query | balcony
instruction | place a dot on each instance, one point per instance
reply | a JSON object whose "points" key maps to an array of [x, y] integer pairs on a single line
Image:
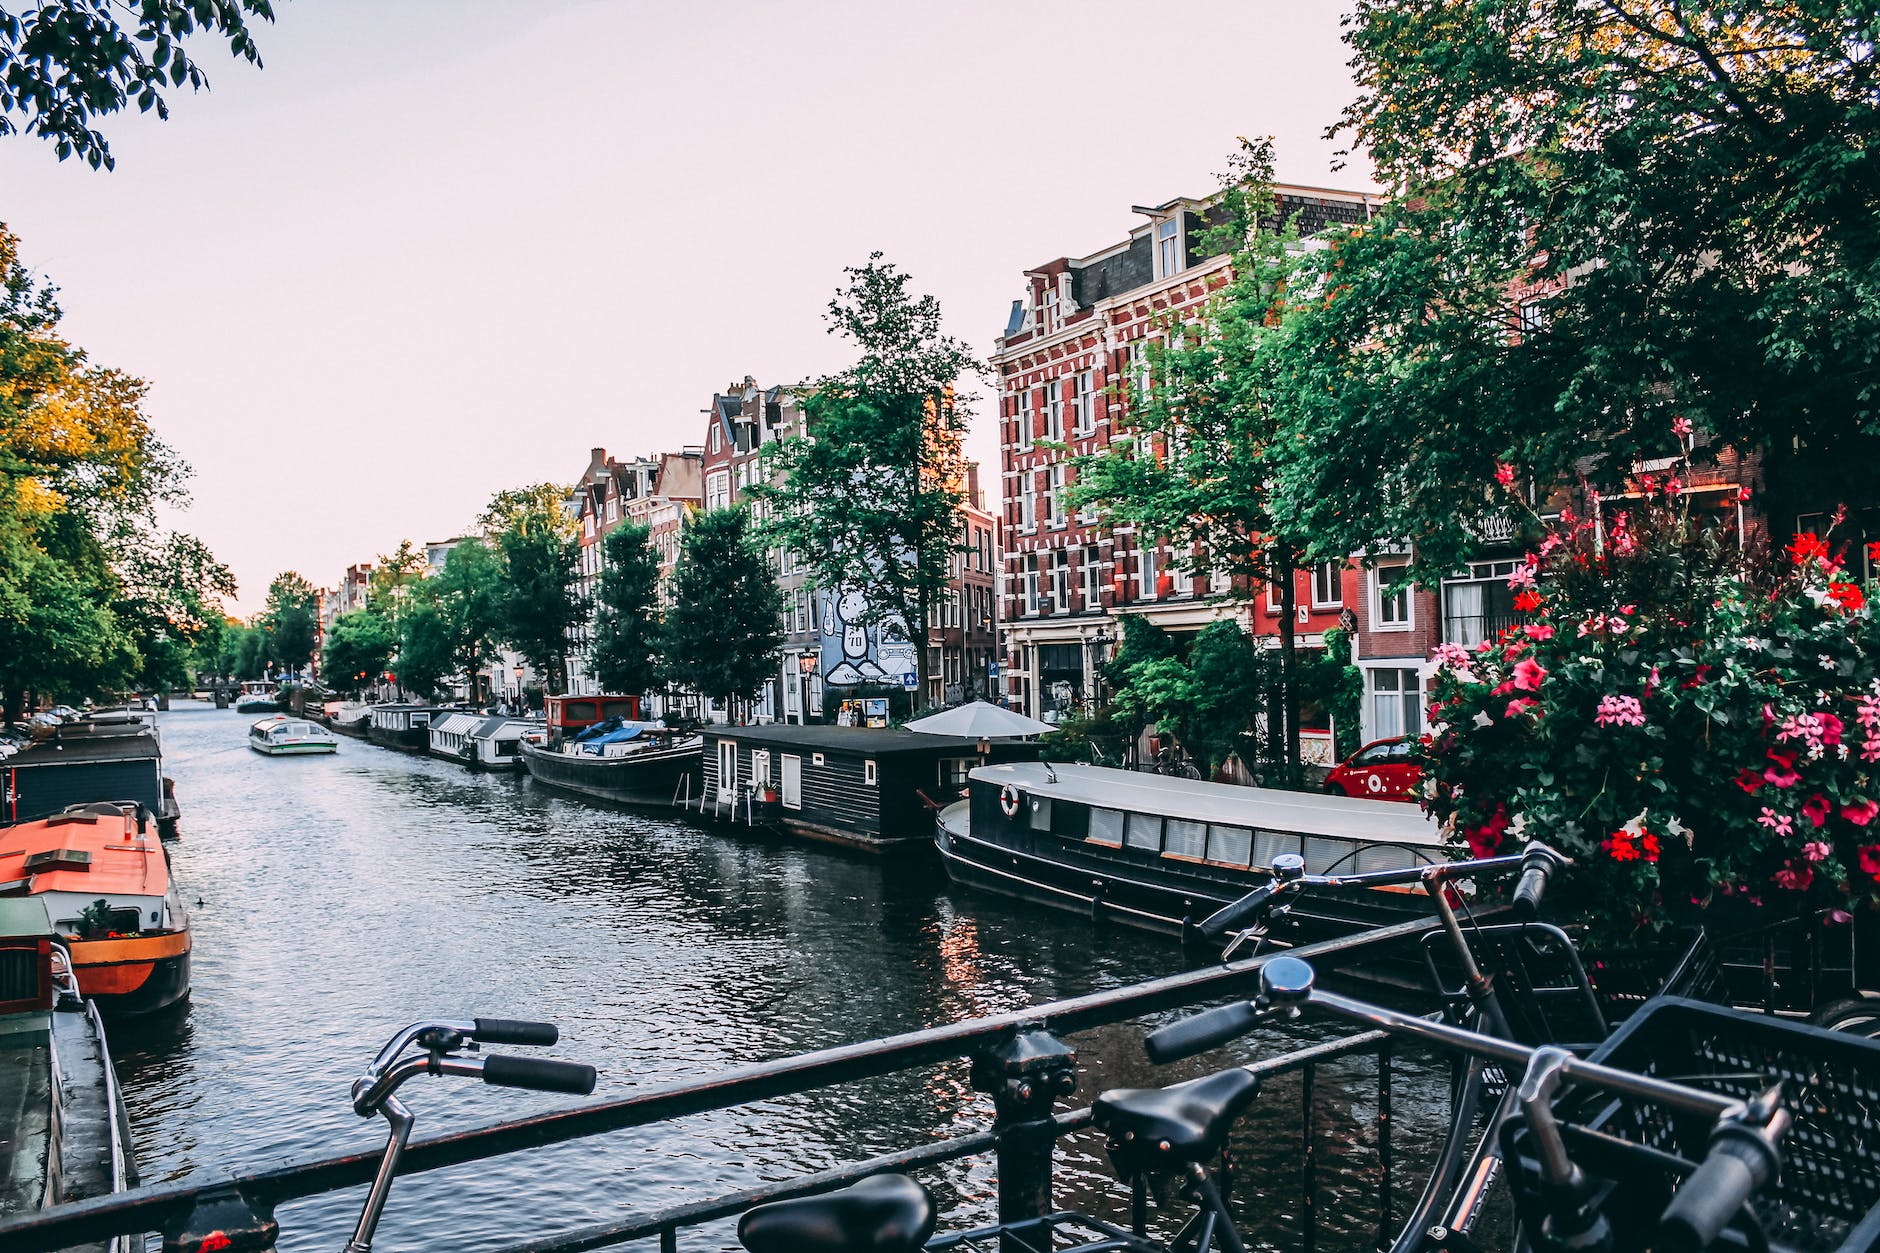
{"points": [[1470, 629]]}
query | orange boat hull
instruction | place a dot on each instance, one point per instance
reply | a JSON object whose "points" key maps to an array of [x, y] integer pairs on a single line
{"points": [[134, 975]]}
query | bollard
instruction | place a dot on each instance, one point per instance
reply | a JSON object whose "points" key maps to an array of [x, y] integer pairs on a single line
{"points": [[1025, 1074], [223, 1221]]}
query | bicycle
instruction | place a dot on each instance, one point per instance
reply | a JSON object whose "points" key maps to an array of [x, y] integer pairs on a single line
{"points": [[439, 1044]]}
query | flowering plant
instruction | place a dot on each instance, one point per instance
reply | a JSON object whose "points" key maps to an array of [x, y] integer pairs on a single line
{"points": [[1690, 718]]}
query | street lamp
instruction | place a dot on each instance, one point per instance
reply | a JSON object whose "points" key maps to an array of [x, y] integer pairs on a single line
{"points": [[519, 708], [1097, 643]]}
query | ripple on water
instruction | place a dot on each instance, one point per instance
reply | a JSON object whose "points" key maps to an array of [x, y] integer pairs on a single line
{"points": [[347, 895]]}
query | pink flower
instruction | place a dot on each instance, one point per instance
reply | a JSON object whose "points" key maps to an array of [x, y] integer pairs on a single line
{"points": [[1619, 711], [1794, 878], [1518, 707], [1779, 823], [1674, 487], [1538, 631], [1680, 425], [1451, 656], [1504, 474], [1815, 850], [1781, 771], [1528, 675], [1860, 813]]}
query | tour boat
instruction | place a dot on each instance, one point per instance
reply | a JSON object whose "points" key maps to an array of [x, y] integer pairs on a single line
{"points": [[1162, 853], [257, 698], [62, 1124], [106, 884], [281, 736]]}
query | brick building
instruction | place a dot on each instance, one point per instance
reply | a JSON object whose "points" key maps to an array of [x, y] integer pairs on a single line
{"points": [[1073, 342]]}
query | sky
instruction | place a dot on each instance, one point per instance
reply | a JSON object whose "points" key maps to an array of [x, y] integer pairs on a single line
{"points": [[436, 248]]}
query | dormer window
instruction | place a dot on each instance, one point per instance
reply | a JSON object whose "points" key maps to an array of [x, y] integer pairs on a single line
{"points": [[1168, 247], [1050, 307]]}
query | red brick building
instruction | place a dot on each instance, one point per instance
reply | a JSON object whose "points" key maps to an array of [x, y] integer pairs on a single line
{"points": [[1073, 342]]}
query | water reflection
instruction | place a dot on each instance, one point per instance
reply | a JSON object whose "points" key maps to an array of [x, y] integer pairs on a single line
{"points": [[344, 896]]}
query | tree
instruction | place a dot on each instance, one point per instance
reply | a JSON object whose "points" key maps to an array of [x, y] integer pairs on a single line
{"points": [[169, 600], [426, 652], [292, 620], [1230, 678], [1198, 465], [541, 599], [626, 626], [872, 493], [723, 630], [357, 650], [64, 63], [1607, 219], [393, 575], [469, 594]]}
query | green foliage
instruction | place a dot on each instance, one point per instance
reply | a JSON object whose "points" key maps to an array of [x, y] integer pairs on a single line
{"points": [[1690, 722], [394, 575], [65, 63], [626, 625], [291, 620], [722, 630], [540, 599], [1331, 687], [426, 655], [527, 510], [169, 601], [357, 650], [872, 493], [1684, 197], [469, 593], [1228, 678]]}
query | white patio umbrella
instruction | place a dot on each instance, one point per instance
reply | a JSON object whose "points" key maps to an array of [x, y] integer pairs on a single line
{"points": [[979, 720]]}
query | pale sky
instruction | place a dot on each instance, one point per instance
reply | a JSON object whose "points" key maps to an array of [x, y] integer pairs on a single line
{"points": [[436, 248]]}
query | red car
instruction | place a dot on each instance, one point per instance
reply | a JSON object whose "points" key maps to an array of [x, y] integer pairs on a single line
{"points": [[1382, 770]]}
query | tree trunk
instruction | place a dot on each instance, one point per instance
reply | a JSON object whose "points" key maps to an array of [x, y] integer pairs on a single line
{"points": [[1283, 570], [15, 699], [920, 658]]}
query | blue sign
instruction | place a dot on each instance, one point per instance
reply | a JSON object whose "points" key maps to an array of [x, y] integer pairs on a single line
{"points": [[909, 681], [992, 669]]}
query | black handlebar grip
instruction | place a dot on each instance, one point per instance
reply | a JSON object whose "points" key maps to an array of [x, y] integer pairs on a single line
{"points": [[514, 1031], [1536, 869], [542, 1074], [1230, 916], [1740, 1162], [1201, 1032]]}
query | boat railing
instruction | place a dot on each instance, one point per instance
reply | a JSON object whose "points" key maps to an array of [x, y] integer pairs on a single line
{"points": [[1020, 1058]]}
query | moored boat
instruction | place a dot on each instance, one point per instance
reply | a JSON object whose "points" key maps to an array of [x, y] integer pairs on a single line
{"points": [[89, 760], [257, 697], [282, 736], [62, 1123], [1161, 853], [648, 765], [402, 725], [105, 880]]}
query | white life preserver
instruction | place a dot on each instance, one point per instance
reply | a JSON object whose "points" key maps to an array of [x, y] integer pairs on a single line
{"points": [[1008, 800]]}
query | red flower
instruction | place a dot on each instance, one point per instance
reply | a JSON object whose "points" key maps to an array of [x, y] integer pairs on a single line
{"points": [[1649, 843], [1749, 780], [1816, 809], [1619, 846], [1807, 547], [1860, 813], [1870, 860], [1849, 597], [1697, 677], [1485, 840], [1529, 674], [1527, 600], [1873, 552]]}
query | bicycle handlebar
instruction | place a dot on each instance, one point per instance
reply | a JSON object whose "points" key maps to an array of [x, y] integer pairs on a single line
{"points": [[515, 1031], [1229, 917], [1538, 864], [541, 1074], [1742, 1158], [1201, 1032]]}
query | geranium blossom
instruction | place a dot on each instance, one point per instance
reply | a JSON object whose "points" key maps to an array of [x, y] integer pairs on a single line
{"points": [[1781, 770], [1527, 600], [1815, 850], [1529, 675], [1504, 474], [1848, 596], [1539, 631], [1680, 425], [1794, 878], [1619, 711], [1451, 656], [1807, 547], [1779, 823], [1816, 809]]}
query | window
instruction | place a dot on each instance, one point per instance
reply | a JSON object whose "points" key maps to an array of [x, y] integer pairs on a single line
{"points": [[760, 767], [1054, 495], [1106, 827], [1325, 584], [727, 765], [792, 766], [1392, 607], [718, 487], [1233, 845], [1168, 247], [1533, 317], [1027, 504], [1186, 838], [1021, 410], [1145, 573], [717, 437], [1144, 831], [953, 772], [1396, 702], [1048, 307], [1092, 573], [1083, 411], [1061, 580], [1031, 582], [1184, 581], [1054, 410], [870, 775]]}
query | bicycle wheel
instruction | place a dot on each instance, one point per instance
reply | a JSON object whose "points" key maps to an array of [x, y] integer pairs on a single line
{"points": [[1856, 1015]]}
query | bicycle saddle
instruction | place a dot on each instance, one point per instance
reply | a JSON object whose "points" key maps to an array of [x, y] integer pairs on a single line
{"points": [[881, 1214], [1156, 1128]]}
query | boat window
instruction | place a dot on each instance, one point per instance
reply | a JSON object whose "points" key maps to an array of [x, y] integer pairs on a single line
{"points": [[1106, 827], [1385, 857], [1144, 831], [1322, 853], [760, 767], [1270, 844], [1186, 838], [1233, 845], [953, 771], [870, 776], [1041, 813], [579, 711], [617, 709], [1070, 819]]}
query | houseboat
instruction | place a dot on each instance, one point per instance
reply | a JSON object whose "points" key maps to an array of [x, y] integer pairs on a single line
{"points": [[105, 880], [257, 697], [496, 742], [637, 763], [110, 760], [450, 736], [1162, 853], [402, 726], [282, 736], [347, 717], [62, 1125], [868, 788]]}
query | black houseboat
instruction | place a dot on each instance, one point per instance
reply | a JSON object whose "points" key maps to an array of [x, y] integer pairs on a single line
{"points": [[873, 789], [595, 745], [103, 759], [1159, 852], [402, 726]]}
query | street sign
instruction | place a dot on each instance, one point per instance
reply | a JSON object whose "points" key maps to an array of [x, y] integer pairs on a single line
{"points": [[992, 669], [909, 681]]}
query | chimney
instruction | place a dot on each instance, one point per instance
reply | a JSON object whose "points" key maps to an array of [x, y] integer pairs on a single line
{"points": [[972, 486]]}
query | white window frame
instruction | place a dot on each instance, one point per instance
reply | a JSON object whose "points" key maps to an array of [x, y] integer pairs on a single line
{"points": [[1334, 570], [1168, 247], [760, 767], [1382, 576], [871, 773], [1054, 494], [1023, 399], [791, 797], [1083, 408], [1054, 411], [1145, 573], [1093, 579], [1027, 505], [1408, 716]]}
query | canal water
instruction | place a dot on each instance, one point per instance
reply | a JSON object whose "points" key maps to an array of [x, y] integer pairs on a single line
{"points": [[342, 897]]}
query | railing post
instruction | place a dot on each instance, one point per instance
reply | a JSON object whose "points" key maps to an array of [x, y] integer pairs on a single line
{"points": [[1025, 1074], [224, 1221]]}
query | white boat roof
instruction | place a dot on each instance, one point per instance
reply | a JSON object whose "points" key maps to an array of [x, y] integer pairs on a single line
{"points": [[505, 728], [1309, 813], [456, 724]]}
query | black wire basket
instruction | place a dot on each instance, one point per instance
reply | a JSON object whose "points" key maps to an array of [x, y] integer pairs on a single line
{"points": [[1827, 1198]]}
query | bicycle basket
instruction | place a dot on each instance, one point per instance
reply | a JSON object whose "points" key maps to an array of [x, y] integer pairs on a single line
{"points": [[1626, 979], [1827, 1199]]}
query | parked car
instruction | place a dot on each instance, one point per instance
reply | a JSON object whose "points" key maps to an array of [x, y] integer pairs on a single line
{"points": [[1381, 770]]}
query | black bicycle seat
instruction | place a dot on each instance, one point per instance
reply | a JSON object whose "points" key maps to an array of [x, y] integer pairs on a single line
{"points": [[1155, 1128], [881, 1214]]}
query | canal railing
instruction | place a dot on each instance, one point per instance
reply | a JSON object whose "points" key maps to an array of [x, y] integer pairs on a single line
{"points": [[1018, 1058]]}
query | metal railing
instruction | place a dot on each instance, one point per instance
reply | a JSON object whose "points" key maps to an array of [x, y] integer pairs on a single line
{"points": [[1017, 1058]]}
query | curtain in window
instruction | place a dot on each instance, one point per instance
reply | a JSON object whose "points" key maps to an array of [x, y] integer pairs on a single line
{"points": [[1463, 608]]}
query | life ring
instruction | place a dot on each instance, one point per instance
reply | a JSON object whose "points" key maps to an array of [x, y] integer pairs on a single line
{"points": [[1008, 800]]}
